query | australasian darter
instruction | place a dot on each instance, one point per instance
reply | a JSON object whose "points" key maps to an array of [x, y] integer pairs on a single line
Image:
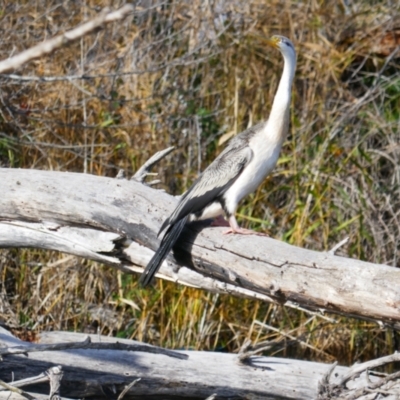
{"points": [[236, 172]]}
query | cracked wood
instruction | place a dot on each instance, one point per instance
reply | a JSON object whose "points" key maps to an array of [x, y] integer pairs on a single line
{"points": [[116, 221]]}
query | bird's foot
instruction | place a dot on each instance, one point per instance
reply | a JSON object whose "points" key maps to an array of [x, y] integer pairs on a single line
{"points": [[219, 221], [244, 231]]}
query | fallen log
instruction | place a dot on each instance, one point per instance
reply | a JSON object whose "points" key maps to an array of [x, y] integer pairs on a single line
{"points": [[98, 373], [81, 366], [115, 221]]}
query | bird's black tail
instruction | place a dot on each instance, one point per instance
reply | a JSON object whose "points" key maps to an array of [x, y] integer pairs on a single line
{"points": [[168, 241]]}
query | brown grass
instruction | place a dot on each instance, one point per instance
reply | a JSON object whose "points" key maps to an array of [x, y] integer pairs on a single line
{"points": [[184, 74]]}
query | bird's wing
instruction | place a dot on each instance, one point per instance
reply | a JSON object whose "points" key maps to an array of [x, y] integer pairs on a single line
{"points": [[213, 182]]}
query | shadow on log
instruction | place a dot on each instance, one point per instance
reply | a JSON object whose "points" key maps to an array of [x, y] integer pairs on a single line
{"points": [[115, 221], [103, 367]]}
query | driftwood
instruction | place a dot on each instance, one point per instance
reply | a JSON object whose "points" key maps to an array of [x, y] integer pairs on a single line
{"points": [[115, 221], [79, 371]]}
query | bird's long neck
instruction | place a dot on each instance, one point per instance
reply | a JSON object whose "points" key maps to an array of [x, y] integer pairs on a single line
{"points": [[278, 122]]}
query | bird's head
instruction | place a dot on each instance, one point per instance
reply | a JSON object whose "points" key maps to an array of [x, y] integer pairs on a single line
{"points": [[281, 43]]}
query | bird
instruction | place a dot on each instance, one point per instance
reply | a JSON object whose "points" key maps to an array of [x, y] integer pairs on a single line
{"points": [[236, 172]]}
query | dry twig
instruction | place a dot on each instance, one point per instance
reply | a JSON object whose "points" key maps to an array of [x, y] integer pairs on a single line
{"points": [[145, 169], [125, 391], [43, 377], [357, 369], [329, 391], [13, 389], [248, 349], [374, 386], [50, 45], [338, 246]]}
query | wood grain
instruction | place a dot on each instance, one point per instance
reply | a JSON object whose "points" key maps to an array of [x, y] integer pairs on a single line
{"points": [[116, 221]]}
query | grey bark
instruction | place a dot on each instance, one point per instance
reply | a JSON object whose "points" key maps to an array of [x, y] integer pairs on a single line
{"points": [[116, 221], [102, 373], [115, 373]]}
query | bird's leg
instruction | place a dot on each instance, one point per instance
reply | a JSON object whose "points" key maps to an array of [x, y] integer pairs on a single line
{"points": [[235, 228], [219, 221]]}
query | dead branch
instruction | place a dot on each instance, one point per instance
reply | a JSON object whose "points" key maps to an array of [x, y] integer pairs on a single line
{"points": [[43, 377], [357, 369], [13, 389], [87, 344], [50, 45], [51, 79], [249, 349], [324, 387], [145, 169], [137, 375], [127, 388], [357, 394], [338, 246], [55, 375], [116, 221], [360, 381], [91, 373], [203, 374]]}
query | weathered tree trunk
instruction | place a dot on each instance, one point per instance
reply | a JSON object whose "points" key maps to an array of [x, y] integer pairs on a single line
{"points": [[115, 221], [105, 373], [104, 368]]}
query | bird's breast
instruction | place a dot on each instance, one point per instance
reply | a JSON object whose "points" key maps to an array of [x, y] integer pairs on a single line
{"points": [[265, 156]]}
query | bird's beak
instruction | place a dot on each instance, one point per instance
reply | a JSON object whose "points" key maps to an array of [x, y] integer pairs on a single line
{"points": [[273, 41]]}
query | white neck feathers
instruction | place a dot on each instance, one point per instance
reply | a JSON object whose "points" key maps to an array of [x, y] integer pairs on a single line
{"points": [[278, 122]]}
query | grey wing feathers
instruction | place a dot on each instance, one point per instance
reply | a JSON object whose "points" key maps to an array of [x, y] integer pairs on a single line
{"points": [[212, 183], [217, 177], [243, 139], [221, 172]]}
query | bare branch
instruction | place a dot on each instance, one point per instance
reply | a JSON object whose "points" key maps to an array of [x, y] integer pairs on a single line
{"points": [[324, 386], [87, 344], [67, 78], [145, 169], [125, 391], [333, 250], [357, 369], [50, 45], [358, 388], [44, 347], [359, 392], [43, 377], [16, 390], [52, 375], [248, 349], [55, 375], [121, 174]]}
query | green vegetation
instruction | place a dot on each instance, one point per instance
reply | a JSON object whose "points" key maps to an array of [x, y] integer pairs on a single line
{"points": [[190, 75]]}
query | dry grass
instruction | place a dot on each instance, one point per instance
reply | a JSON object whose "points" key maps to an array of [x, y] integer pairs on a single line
{"points": [[185, 74]]}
